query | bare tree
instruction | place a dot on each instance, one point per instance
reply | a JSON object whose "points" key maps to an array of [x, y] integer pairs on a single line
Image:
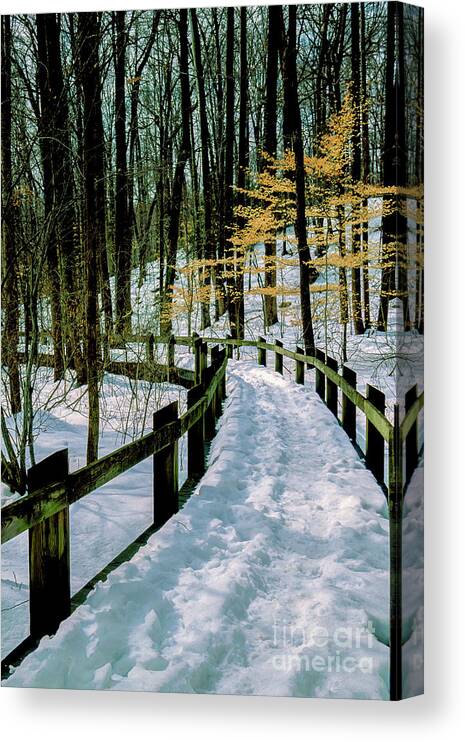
{"points": [[291, 104], [270, 146], [178, 180], [10, 336]]}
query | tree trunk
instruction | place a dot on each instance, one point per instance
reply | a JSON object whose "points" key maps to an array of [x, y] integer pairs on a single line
{"points": [[94, 218], [10, 336], [291, 103], [270, 144], [236, 306], [343, 292], [178, 180], [122, 225], [229, 158], [419, 290], [356, 166], [320, 82], [365, 169], [208, 251], [136, 78], [220, 291], [47, 127], [65, 217], [394, 223]]}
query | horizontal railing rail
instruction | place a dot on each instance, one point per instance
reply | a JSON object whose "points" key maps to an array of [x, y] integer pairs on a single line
{"points": [[371, 412]]}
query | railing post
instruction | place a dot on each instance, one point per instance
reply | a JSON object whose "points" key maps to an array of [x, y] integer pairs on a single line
{"points": [[49, 558], [197, 347], [319, 375], [261, 353], [149, 348], [229, 347], [195, 436], [165, 470], [349, 410], [210, 420], [299, 368], [170, 356], [203, 358], [278, 358], [411, 439], [374, 452], [331, 387], [395, 557], [215, 349], [216, 399], [222, 386]]}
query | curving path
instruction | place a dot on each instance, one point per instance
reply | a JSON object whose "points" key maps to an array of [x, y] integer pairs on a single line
{"points": [[273, 579]]}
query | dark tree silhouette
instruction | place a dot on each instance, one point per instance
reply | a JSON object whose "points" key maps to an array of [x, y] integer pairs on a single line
{"points": [[291, 105], [270, 146]]}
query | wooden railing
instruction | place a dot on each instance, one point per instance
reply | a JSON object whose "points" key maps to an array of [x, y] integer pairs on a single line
{"points": [[400, 438], [44, 511], [206, 387]]}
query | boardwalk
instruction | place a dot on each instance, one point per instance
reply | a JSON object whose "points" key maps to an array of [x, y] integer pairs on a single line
{"points": [[266, 582]]}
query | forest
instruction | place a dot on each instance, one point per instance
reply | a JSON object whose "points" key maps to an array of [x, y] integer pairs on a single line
{"points": [[186, 195], [254, 170]]}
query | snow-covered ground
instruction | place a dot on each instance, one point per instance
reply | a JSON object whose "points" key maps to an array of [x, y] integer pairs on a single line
{"points": [[413, 584], [105, 522], [273, 579]]}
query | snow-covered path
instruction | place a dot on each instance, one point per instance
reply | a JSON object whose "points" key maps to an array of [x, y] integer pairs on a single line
{"points": [[269, 581]]}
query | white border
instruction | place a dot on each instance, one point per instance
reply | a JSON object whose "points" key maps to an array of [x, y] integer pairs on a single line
{"points": [[56, 715]]}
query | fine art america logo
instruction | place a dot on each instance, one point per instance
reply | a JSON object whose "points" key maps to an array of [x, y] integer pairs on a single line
{"points": [[343, 649]]}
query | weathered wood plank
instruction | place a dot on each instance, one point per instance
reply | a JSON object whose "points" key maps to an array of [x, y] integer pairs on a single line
{"points": [[411, 416], [199, 408], [33, 508], [49, 559], [261, 348], [203, 359], [411, 438], [95, 475], [210, 420], [195, 436], [395, 500], [349, 409], [215, 362], [299, 368], [331, 387], [222, 373], [155, 373], [197, 347], [374, 454], [165, 469], [278, 358], [320, 382]]}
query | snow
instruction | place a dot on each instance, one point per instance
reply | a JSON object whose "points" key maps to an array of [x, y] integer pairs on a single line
{"points": [[273, 578], [105, 522], [413, 584]]}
